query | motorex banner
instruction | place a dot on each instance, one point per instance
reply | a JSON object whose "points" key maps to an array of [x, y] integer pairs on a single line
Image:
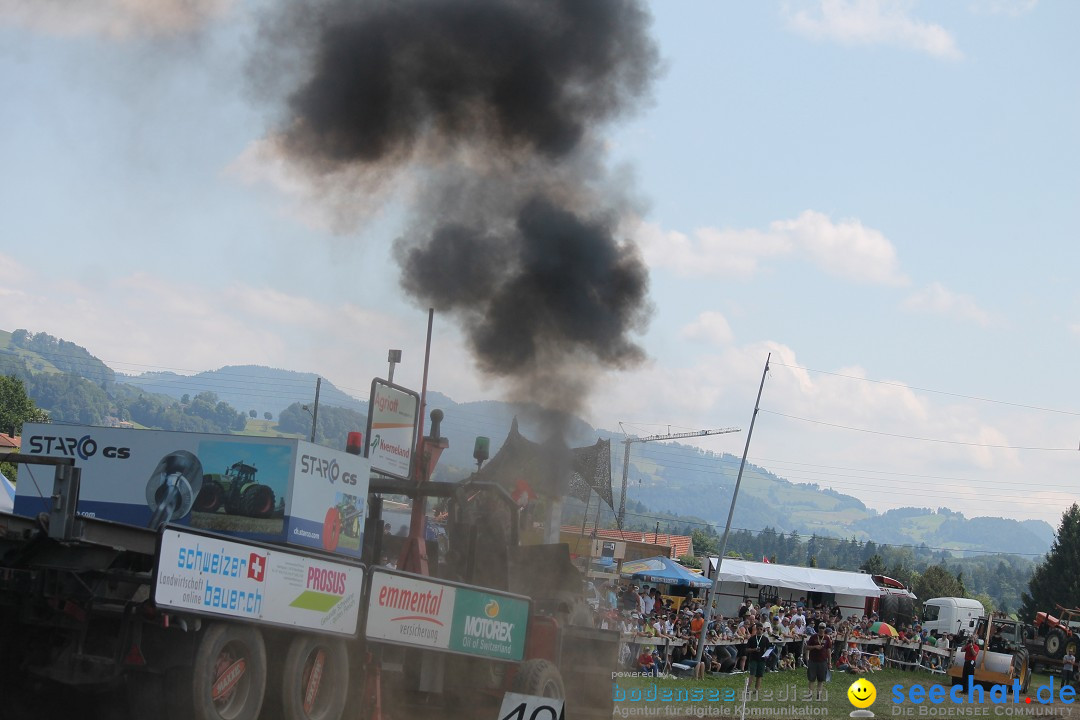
{"points": [[271, 489]]}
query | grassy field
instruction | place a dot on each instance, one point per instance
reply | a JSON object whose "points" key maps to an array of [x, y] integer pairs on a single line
{"points": [[783, 695], [264, 428]]}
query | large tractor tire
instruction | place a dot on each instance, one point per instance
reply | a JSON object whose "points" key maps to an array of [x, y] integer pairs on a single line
{"points": [[257, 501], [1021, 669], [905, 610], [210, 498], [539, 677], [1055, 643], [315, 679], [228, 679], [888, 609]]}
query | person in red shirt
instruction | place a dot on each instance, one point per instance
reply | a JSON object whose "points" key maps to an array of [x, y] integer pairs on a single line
{"points": [[697, 623], [646, 664], [819, 647], [971, 654]]}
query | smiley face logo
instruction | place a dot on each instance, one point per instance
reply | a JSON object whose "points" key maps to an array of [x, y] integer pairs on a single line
{"points": [[862, 693]]}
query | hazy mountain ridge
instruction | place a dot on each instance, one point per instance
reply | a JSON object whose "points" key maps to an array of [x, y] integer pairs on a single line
{"points": [[666, 477]]}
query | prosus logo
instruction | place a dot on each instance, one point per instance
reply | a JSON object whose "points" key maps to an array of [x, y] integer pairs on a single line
{"points": [[327, 581]]}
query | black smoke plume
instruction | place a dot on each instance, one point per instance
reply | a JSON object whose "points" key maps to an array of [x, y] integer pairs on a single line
{"points": [[498, 106]]}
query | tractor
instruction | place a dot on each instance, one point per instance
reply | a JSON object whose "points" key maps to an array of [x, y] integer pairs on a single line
{"points": [[237, 492], [1003, 657], [1054, 636]]}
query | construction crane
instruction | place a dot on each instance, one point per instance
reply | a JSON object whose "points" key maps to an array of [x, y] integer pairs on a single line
{"points": [[650, 438]]}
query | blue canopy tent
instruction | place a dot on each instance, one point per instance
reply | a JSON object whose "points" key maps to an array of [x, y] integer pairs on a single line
{"points": [[663, 570], [7, 494]]}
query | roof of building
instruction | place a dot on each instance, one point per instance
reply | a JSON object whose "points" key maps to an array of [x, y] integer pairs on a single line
{"points": [[7, 442], [680, 544]]}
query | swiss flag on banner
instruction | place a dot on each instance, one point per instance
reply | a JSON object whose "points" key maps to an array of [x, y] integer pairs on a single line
{"points": [[764, 559], [256, 567]]}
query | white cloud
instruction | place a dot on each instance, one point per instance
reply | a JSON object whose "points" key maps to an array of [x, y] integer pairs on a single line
{"points": [[860, 437], [709, 326], [874, 22], [846, 249], [142, 321], [939, 300], [119, 19]]}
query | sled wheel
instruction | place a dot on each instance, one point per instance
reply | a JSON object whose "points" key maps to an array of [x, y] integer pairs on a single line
{"points": [[228, 679], [315, 679]]}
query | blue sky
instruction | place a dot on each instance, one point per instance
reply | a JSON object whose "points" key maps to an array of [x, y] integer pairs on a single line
{"points": [[881, 194]]}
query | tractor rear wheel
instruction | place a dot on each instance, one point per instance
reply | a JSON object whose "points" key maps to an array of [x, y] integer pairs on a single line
{"points": [[889, 607], [539, 677], [905, 609], [257, 501], [1055, 643]]}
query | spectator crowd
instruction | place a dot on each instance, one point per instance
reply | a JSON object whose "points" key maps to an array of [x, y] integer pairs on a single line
{"points": [[661, 637]]}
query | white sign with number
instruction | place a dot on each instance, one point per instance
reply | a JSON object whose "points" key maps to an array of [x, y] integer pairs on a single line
{"points": [[516, 706]]}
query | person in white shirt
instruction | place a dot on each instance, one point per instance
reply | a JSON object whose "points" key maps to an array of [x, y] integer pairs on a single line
{"points": [[1068, 668]]}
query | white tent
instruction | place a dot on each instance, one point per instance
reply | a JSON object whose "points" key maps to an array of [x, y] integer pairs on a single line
{"points": [[740, 579], [7, 494], [839, 582]]}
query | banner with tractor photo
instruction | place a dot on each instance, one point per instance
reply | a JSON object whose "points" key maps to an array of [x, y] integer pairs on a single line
{"points": [[270, 489]]}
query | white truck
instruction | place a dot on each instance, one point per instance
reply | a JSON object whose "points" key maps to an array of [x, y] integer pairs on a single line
{"points": [[951, 615]]}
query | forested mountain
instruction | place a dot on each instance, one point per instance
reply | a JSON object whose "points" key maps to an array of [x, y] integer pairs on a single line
{"points": [[667, 480]]}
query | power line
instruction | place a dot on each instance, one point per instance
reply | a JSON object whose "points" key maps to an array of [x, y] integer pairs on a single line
{"points": [[915, 437], [937, 392]]}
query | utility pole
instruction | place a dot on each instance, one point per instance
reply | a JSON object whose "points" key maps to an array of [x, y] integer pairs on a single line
{"points": [[711, 595], [669, 436], [315, 412]]}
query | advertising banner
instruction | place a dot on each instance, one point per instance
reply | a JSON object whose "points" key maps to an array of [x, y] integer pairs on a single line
{"points": [[489, 625], [207, 574], [257, 488], [391, 429], [329, 500], [409, 610]]}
